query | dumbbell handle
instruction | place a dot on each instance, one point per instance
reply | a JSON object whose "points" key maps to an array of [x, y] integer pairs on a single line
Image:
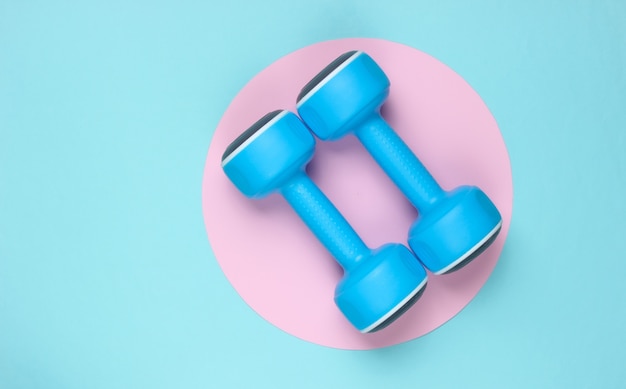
{"points": [[324, 220], [399, 162]]}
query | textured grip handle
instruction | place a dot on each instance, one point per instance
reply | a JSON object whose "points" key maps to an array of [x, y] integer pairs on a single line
{"points": [[324, 220], [399, 162]]}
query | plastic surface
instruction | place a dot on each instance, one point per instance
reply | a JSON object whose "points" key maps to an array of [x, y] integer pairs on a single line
{"points": [[347, 100], [271, 156], [399, 162], [284, 274], [325, 221]]}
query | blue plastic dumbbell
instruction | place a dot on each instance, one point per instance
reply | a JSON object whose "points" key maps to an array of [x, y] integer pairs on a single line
{"points": [[452, 227], [378, 285]]}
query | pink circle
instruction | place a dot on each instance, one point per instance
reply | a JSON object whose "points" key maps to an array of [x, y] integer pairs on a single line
{"points": [[277, 265]]}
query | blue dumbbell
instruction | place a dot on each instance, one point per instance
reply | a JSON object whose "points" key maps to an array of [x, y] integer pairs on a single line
{"points": [[452, 227], [378, 285]]}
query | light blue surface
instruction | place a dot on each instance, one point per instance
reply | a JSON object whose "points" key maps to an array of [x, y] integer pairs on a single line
{"points": [[107, 279]]}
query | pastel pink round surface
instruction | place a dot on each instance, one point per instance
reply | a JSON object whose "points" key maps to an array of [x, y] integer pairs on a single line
{"points": [[272, 259]]}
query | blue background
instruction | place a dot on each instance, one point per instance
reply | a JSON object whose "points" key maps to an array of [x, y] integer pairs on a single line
{"points": [[107, 279]]}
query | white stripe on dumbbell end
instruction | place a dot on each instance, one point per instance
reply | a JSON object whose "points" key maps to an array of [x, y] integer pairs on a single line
{"points": [[472, 250], [327, 78], [253, 137], [395, 309]]}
